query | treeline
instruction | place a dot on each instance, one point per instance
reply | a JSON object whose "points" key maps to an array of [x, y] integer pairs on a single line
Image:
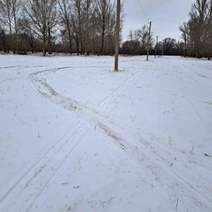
{"points": [[72, 26], [138, 40], [197, 32]]}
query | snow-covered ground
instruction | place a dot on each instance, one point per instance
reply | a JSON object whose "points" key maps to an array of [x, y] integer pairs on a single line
{"points": [[76, 136]]}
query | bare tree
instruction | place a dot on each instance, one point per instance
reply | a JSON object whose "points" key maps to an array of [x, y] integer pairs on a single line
{"points": [[77, 24], [88, 11], [169, 46], [104, 12], [143, 37], [197, 32], [137, 43], [66, 20], [185, 35], [197, 24], [3, 38], [16, 6], [208, 33], [6, 16], [10, 12], [42, 14], [86, 25]]}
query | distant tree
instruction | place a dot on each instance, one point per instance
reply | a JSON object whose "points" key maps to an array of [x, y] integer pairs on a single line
{"points": [[143, 33], [197, 32], [131, 47], [106, 17], [3, 39], [137, 42], [185, 35], [65, 21], [85, 26], [160, 48], [208, 33], [77, 25], [197, 21], [26, 28], [88, 11], [9, 14], [169, 45], [42, 14]]}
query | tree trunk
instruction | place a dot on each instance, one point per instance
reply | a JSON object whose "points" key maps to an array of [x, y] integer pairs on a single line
{"points": [[49, 41], [70, 40], [44, 44], [103, 35]]}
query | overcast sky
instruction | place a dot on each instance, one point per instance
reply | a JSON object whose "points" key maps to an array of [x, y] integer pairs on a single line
{"points": [[166, 16]]}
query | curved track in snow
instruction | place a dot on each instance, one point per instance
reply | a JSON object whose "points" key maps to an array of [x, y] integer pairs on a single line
{"points": [[155, 155]]}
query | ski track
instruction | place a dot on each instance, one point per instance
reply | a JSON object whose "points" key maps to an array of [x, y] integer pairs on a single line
{"points": [[116, 93], [35, 180]]}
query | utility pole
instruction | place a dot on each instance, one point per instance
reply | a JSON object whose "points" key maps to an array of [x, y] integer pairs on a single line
{"points": [[148, 44], [117, 35], [156, 46]]}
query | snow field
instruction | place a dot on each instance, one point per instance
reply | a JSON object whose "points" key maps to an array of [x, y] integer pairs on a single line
{"points": [[75, 136]]}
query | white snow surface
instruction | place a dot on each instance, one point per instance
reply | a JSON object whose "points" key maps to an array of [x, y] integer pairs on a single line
{"points": [[76, 136]]}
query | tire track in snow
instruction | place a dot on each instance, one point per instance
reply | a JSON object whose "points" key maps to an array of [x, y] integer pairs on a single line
{"points": [[35, 179], [67, 153], [53, 70], [92, 115]]}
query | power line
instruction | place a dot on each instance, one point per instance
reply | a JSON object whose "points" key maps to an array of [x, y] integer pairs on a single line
{"points": [[142, 10]]}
